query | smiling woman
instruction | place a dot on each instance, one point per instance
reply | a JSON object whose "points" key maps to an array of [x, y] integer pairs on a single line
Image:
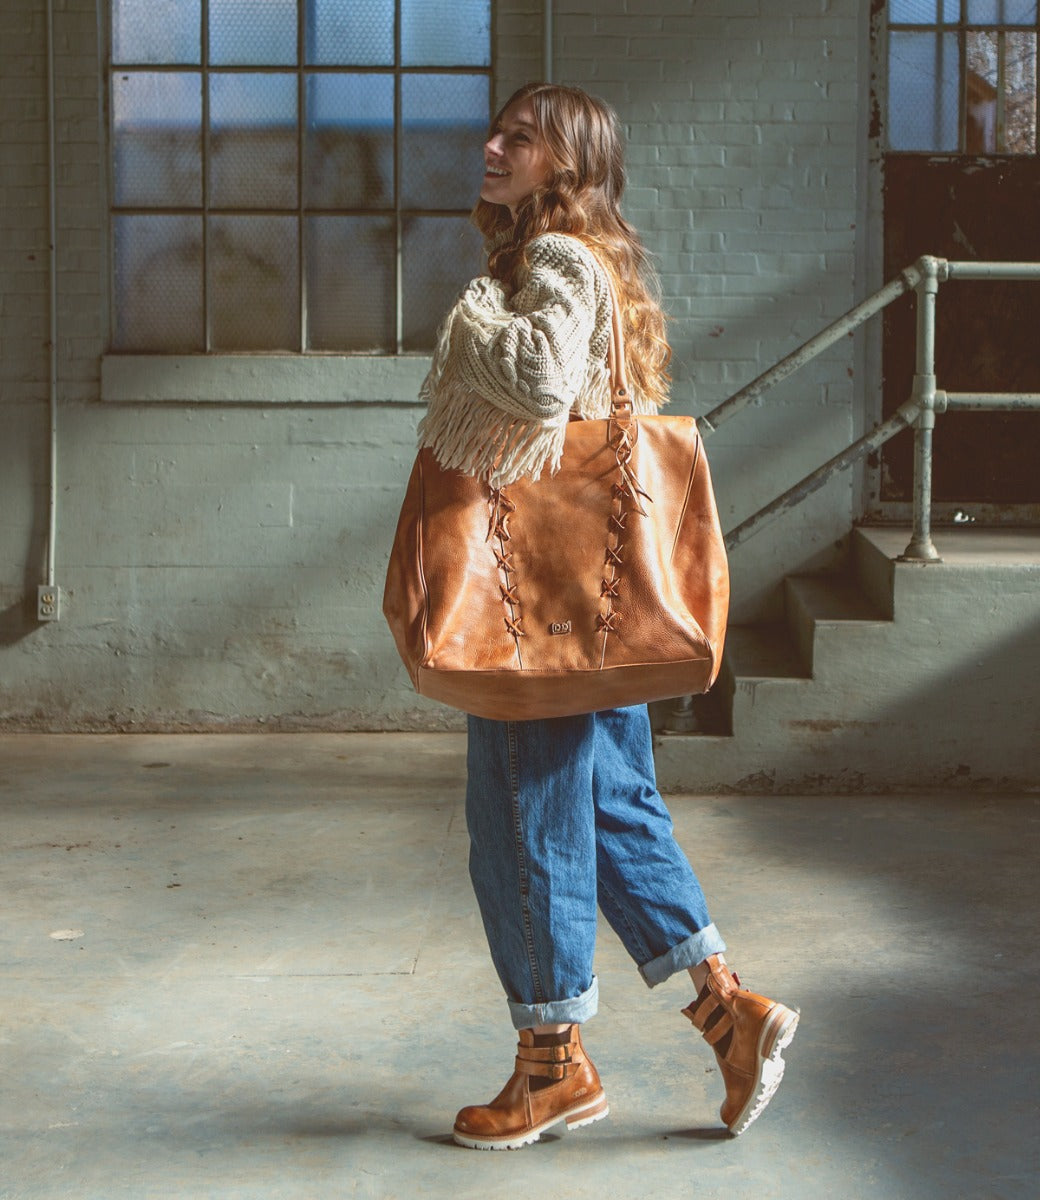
{"points": [[563, 812], [516, 163]]}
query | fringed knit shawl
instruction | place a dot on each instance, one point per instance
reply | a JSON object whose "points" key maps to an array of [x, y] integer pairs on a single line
{"points": [[508, 371]]}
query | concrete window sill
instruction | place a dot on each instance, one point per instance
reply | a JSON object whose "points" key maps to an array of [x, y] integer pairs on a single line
{"points": [[261, 379]]}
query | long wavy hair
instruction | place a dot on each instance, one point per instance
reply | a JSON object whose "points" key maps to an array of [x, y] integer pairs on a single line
{"points": [[581, 197]]}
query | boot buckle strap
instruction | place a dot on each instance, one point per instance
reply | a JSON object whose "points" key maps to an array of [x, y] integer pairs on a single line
{"points": [[547, 1070], [699, 1013], [550, 1054], [719, 1030]]}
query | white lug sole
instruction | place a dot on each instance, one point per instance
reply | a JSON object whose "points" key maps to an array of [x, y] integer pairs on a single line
{"points": [[777, 1034], [576, 1118]]}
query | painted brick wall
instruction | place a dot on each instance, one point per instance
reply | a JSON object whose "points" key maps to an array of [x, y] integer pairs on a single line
{"points": [[23, 316], [224, 562], [743, 133]]}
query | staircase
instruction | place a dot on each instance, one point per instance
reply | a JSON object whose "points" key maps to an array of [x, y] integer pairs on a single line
{"points": [[890, 676]]}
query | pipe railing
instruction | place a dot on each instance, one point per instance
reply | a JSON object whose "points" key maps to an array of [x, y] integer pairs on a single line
{"points": [[843, 326], [918, 412]]}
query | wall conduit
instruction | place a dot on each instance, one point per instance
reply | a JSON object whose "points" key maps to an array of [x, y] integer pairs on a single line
{"points": [[52, 339], [547, 41]]}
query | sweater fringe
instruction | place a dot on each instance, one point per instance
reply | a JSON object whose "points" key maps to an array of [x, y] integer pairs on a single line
{"points": [[469, 433]]}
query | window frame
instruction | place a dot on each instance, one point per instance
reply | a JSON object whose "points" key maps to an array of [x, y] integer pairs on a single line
{"points": [[962, 27], [300, 375]]}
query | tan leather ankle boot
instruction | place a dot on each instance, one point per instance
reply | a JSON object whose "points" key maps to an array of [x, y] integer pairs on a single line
{"points": [[520, 1113], [748, 1033]]}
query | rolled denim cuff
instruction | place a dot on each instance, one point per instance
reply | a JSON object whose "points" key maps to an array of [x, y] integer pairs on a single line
{"points": [[695, 949], [557, 1012]]}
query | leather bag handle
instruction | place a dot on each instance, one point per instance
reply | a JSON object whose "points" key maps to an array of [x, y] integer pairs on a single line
{"points": [[620, 398], [623, 426]]}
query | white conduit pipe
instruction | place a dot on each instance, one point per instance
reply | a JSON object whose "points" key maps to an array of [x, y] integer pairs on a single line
{"points": [[52, 226], [547, 41]]}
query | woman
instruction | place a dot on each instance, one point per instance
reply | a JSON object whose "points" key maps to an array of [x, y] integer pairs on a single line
{"points": [[565, 813]]}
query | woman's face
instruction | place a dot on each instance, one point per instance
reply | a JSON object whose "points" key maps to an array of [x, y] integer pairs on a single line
{"points": [[515, 158]]}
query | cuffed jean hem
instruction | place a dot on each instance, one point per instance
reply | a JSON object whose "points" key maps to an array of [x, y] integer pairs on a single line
{"points": [[695, 949], [557, 1012]]}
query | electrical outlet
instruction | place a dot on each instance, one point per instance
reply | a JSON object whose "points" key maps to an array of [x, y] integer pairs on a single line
{"points": [[48, 602]]}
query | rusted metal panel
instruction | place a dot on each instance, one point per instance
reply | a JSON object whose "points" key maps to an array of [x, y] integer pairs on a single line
{"points": [[986, 337]]}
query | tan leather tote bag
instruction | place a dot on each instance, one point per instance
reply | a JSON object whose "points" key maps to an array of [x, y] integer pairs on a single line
{"points": [[603, 585]]}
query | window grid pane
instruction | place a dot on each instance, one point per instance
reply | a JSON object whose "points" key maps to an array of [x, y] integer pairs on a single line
{"points": [[360, 34], [443, 118], [982, 83], [252, 141], [254, 278], [1020, 92], [1000, 12], [155, 160], [157, 264], [986, 85], [349, 141], [912, 12], [247, 34], [157, 31], [923, 91], [271, 183], [436, 253], [435, 34], [350, 282]]}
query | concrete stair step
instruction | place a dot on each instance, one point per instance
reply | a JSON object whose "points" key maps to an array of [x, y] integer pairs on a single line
{"points": [[753, 653], [971, 556], [764, 651], [882, 674], [872, 563], [818, 605], [839, 637]]}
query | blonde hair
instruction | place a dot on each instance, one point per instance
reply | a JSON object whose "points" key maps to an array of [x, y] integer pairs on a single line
{"points": [[582, 197]]}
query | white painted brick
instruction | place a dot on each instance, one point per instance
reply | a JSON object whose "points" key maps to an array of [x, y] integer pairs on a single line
{"points": [[515, 24], [731, 9]]}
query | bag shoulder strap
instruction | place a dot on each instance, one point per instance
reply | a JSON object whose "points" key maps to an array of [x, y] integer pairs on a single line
{"points": [[620, 397]]}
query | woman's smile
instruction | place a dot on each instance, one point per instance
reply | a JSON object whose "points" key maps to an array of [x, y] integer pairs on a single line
{"points": [[515, 159]]}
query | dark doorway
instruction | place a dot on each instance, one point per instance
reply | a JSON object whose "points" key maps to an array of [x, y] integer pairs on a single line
{"points": [[961, 180], [987, 335]]}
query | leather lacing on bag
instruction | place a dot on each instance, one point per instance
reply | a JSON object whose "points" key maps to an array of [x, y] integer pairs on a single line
{"points": [[627, 496], [502, 508]]}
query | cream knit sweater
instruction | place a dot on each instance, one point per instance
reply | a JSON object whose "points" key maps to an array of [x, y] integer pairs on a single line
{"points": [[508, 370]]}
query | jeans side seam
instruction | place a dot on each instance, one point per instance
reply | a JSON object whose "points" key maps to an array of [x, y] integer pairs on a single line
{"points": [[521, 860], [636, 937]]}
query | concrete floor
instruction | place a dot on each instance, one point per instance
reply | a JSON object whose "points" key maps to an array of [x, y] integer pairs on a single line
{"points": [[251, 967]]}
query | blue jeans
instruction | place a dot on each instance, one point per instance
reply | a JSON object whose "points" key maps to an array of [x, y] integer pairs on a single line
{"points": [[564, 814]]}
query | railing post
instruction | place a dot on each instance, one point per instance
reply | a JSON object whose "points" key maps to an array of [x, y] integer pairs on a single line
{"points": [[921, 547]]}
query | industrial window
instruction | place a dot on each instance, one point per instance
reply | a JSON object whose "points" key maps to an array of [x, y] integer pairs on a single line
{"points": [[293, 175], [962, 76]]}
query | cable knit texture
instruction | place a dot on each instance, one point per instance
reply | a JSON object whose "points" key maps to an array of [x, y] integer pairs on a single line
{"points": [[508, 370]]}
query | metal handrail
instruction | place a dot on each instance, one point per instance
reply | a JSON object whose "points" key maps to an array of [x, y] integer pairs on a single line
{"points": [[919, 411], [906, 281]]}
